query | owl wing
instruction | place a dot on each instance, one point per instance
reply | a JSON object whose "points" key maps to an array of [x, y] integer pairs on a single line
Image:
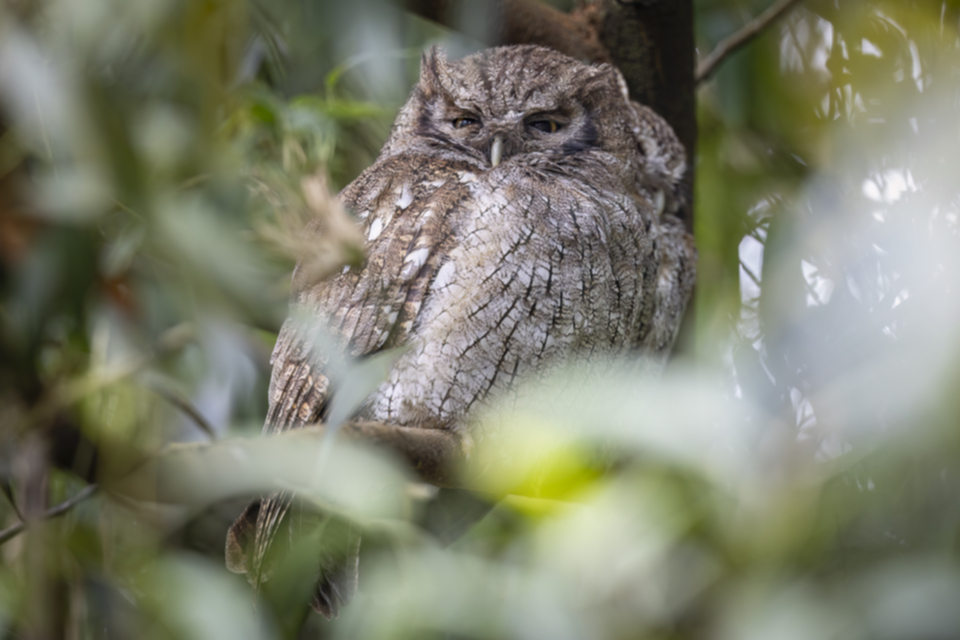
{"points": [[402, 203]]}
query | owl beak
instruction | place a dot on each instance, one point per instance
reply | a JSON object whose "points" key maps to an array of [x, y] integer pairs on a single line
{"points": [[496, 151]]}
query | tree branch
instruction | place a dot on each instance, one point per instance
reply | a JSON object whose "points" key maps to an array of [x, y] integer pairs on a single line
{"points": [[747, 33], [517, 22], [53, 512], [304, 460], [61, 397], [8, 493], [356, 472]]}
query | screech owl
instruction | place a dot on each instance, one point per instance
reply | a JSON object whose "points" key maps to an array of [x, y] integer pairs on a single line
{"points": [[520, 215]]}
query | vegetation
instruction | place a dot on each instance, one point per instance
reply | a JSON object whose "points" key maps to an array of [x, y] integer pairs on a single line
{"points": [[795, 474]]}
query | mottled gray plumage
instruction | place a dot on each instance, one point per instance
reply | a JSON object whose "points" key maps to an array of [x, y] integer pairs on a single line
{"points": [[519, 216]]}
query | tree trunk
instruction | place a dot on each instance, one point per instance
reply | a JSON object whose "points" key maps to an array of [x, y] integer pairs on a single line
{"points": [[651, 42]]}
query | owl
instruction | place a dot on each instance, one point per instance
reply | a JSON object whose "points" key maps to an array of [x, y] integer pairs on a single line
{"points": [[521, 215]]}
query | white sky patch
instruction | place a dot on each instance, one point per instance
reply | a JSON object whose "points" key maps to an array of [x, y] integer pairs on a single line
{"points": [[791, 59], [802, 44], [751, 257], [872, 190], [823, 48], [831, 448], [726, 356], [903, 295], [821, 288], [889, 186], [917, 70], [766, 370], [853, 103], [805, 417], [867, 48], [854, 288], [34, 92], [761, 207]]}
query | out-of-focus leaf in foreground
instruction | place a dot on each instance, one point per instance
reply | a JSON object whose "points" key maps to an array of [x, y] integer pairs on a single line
{"points": [[163, 165], [347, 478]]}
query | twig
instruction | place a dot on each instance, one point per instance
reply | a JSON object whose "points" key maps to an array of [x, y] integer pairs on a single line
{"points": [[60, 397], [8, 492], [519, 22], [178, 400], [747, 33], [53, 512]]}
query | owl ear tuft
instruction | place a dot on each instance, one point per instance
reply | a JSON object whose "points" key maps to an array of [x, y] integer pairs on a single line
{"points": [[433, 68]]}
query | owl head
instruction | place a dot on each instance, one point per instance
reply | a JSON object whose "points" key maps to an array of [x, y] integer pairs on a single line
{"points": [[531, 105]]}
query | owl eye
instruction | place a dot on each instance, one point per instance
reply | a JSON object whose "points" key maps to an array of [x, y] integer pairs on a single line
{"points": [[460, 123], [546, 126]]}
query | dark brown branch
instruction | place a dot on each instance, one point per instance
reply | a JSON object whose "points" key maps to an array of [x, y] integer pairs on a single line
{"points": [[53, 512], [8, 493], [747, 33], [435, 454], [530, 22], [298, 460], [59, 398], [516, 22], [363, 454]]}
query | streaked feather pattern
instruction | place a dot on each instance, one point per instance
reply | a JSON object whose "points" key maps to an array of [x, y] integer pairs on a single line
{"points": [[563, 248]]}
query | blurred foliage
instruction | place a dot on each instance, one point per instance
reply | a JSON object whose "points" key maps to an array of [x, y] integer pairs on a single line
{"points": [[797, 477]]}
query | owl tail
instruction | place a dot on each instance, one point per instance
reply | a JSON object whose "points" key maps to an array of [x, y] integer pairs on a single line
{"points": [[252, 549]]}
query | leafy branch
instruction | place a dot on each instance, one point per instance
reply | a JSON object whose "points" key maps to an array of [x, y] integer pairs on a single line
{"points": [[742, 37], [53, 512]]}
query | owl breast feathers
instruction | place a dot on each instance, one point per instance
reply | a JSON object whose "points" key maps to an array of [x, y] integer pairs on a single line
{"points": [[519, 215]]}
